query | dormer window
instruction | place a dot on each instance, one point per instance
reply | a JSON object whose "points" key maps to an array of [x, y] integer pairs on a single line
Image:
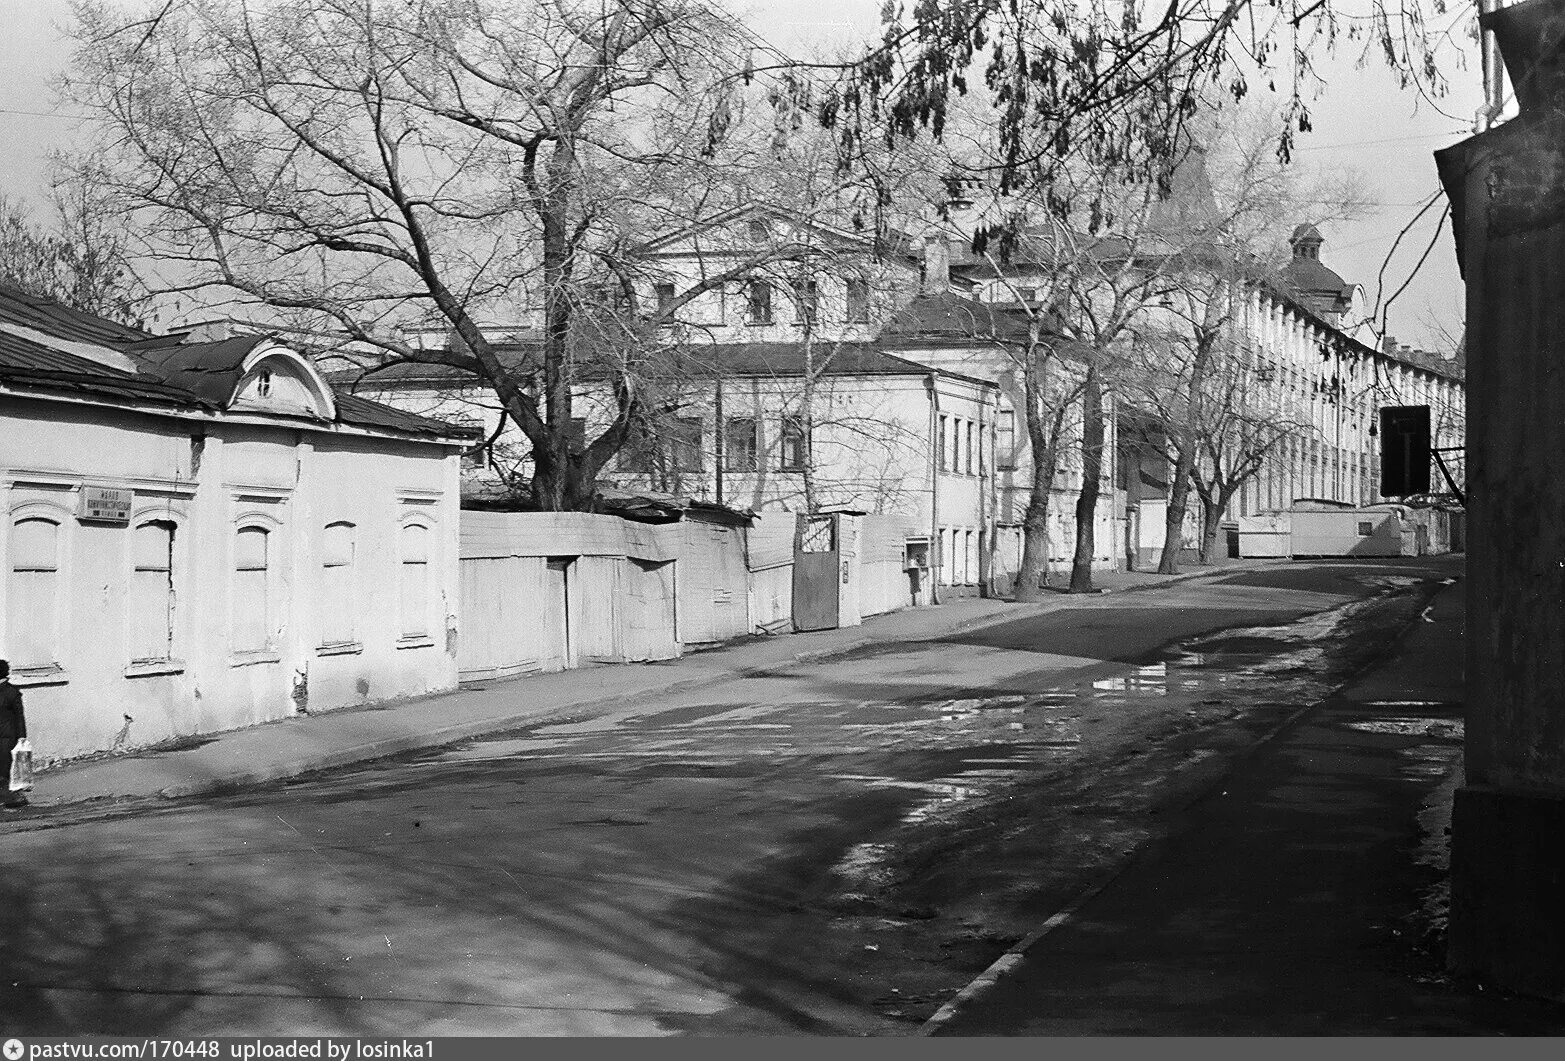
{"points": [[278, 380]]}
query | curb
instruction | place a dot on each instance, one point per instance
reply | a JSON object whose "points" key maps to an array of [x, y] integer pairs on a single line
{"points": [[392, 746], [991, 976]]}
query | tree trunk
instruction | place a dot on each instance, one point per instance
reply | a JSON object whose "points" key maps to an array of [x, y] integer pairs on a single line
{"points": [[1043, 445], [807, 419], [1189, 439], [1178, 503], [1092, 433], [1211, 520], [1035, 535]]}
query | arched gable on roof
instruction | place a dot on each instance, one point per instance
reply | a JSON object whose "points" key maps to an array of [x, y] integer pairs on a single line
{"points": [[275, 379]]}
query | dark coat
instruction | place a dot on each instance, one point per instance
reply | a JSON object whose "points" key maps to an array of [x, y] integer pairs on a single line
{"points": [[13, 722]]}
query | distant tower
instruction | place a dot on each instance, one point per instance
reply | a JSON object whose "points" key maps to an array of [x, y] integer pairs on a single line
{"points": [[1306, 241], [1311, 281]]}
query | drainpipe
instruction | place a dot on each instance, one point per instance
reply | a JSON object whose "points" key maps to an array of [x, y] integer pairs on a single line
{"points": [[720, 442], [934, 488], [991, 498]]}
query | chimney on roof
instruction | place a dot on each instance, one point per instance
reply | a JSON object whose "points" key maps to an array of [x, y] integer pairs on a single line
{"points": [[1388, 345]]}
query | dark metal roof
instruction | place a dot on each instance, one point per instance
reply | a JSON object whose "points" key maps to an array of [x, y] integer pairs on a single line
{"points": [[57, 319], [361, 412], [171, 372], [210, 370], [23, 361]]}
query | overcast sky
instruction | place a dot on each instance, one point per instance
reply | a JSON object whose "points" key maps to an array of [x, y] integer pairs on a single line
{"points": [[1362, 121]]}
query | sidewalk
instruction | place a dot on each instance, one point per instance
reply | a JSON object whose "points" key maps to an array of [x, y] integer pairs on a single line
{"points": [[289, 747], [1298, 898]]}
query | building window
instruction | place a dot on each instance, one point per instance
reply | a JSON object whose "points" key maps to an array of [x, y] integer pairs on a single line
{"points": [[415, 580], [968, 464], [795, 444], [477, 455], [944, 444], [1366, 528], [665, 296], [858, 301], [152, 592], [741, 451], [263, 384], [1005, 445], [638, 451], [578, 435], [33, 599], [684, 450], [251, 619], [806, 301], [338, 593], [758, 302]]}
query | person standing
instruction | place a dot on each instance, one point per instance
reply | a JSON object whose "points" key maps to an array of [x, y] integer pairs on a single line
{"points": [[13, 727]]}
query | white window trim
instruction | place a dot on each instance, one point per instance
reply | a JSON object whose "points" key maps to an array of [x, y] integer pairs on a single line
{"points": [[433, 559], [172, 663], [273, 526], [53, 672]]}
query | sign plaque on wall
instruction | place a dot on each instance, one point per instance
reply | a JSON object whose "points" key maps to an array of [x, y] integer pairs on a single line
{"points": [[105, 504]]}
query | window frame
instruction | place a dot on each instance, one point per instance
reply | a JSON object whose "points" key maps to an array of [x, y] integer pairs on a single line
{"points": [[268, 651], [354, 642], [758, 303], [171, 660], [405, 637], [856, 300], [752, 447], [793, 441], [685, 436], [51, 671]]}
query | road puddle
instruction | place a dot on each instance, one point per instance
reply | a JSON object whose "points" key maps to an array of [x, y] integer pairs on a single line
{"points": [[939, 756]]}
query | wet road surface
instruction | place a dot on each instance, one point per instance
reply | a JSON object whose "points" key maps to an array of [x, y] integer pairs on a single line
{"points": [[832, 847], [1304, 896]]}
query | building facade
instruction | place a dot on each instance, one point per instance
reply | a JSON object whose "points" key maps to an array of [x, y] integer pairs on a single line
{"points": [[200, 534]]}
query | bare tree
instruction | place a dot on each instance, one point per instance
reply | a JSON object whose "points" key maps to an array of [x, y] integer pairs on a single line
{"points": [[1246, 422], [81, 259], [1113, 84], [1190, 369], [370, 166]]}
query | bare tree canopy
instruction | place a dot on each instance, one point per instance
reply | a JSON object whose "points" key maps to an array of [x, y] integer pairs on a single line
{"points": [[80, 259], [1113, 83], [367, 166]]}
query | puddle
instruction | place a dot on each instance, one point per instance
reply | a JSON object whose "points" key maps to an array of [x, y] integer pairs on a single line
{"points": [[954, 752], [1411, 727], [1152, 679]]}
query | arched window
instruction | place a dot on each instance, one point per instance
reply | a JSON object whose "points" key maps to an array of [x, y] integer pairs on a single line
{"points": [[252, 597], [415, 580], [152, 592], [32, 618], [338, 593]]}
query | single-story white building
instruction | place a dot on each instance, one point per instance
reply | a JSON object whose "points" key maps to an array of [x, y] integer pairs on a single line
{"points": [[199, 534]]}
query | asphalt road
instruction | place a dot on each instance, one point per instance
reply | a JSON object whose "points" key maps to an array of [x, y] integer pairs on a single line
{"points": [[835, 847]]}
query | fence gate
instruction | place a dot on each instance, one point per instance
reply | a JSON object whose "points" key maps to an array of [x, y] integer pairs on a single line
{"points": [[816, 556]]}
